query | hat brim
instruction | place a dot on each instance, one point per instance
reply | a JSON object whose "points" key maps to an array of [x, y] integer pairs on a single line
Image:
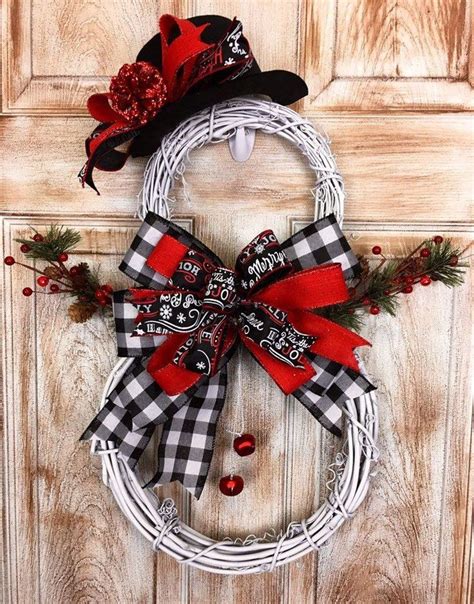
{"points": [[283, 87]]}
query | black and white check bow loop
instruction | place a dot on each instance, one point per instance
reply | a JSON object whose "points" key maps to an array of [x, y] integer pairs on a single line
{"points": [[189, 315]]}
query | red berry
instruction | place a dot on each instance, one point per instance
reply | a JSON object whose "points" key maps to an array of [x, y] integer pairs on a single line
{"points": [[425, 252], [374, 309], [231, 485], [376, 250], [108, 289], [407, 289], [25, 248], [425, 280], [74, 270], [438, 239], [453, 260], [9, 260], [63, 257], [409, 280], [38, 237], [42, 281], [54, 288], [27, 291], [100, 294], [366, 301]]}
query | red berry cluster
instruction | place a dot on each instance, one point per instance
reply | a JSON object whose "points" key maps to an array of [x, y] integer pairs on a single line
{"points": [[409, 272], [76, 280]]}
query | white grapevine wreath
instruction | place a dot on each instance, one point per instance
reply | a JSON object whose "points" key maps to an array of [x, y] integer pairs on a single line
{"points": [[353, 466]]}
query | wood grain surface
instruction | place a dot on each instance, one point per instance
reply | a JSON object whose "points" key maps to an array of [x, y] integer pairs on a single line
{"points": [[390, 83]]}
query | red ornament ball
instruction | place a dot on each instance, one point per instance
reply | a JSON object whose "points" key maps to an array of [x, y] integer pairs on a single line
{"points": [[42, 281], [425, 252], [108, 289], [407, 289], [376, 250], [438, 239], [27, 291], [54, 288], [9, 260], [38, 237], [74, 270], [244, 445], [453, 261], [409, 280], [374, 309], [100, 294], [231, 485], [63, 257], [425, 280], [138, 92], [25, 248], [366, 301]]}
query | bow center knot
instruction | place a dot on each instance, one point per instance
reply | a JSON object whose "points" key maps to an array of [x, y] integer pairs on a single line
{"points": [[221, 292]]}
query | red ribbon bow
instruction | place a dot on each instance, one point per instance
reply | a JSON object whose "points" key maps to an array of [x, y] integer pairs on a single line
{"points": [[219, 323]]}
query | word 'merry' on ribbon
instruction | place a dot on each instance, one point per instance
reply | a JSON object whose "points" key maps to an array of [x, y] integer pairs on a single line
{"points": [[187, 318]]}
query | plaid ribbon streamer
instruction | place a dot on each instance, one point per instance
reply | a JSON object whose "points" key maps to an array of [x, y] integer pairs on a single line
{"points": [[189, 418]]}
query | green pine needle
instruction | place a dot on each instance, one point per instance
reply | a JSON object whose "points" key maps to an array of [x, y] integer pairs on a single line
{"points": [[57, 240]]}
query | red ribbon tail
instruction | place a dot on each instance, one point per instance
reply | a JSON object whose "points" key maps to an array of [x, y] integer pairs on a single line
{"points": [[332, 340], [173, 379], [288, 378]]}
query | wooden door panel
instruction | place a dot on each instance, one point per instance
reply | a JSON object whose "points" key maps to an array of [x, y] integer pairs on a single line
{"points": [[67, 525], [395, 168], [391, 84], [389, 55]]}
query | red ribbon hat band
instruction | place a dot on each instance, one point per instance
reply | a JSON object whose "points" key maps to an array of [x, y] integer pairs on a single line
{"points": [[183, 59]]}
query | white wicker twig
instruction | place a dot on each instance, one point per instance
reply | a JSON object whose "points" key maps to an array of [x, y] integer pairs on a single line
{"points": [[352, 469], [218, 124]]}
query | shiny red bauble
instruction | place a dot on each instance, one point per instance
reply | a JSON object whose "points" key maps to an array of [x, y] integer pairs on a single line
{"points": [[108, 289], [425, 280], [27, 291], [25, 248], [376, 250], [38, 237], [425, 252], [54, 288], [374, 309], [9, 260], [63, 257], [438, 239], [408, 289], [231, 485], [244, 445], [42, 281]]}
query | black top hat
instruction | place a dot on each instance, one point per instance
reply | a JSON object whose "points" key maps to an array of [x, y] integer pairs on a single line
{"points": [[190, 65]]}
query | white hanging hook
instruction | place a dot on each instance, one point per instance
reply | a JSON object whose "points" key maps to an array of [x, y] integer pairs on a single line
{"points": [[241, 143]]}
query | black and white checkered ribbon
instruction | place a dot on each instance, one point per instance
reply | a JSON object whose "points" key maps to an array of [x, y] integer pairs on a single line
{"points": [[138, 404]]}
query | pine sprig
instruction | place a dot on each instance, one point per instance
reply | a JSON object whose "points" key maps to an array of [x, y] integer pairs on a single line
{"points": [[379, 290], [78, 281], [56, 241]]}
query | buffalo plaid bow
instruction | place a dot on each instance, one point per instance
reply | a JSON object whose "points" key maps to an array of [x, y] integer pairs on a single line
{"points": [[185, 322]]}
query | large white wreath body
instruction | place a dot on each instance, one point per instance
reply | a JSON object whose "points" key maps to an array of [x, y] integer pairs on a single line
{"points": [[353, 466]]}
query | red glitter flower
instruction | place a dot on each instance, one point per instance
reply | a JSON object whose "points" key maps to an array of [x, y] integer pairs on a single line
{"points": [[138, 92]]}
